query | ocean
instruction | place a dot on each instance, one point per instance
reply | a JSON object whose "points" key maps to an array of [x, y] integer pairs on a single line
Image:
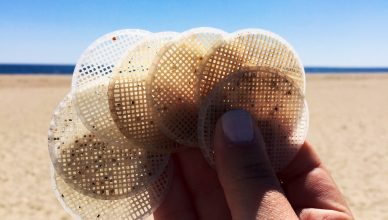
{"points": [[68, 69]]}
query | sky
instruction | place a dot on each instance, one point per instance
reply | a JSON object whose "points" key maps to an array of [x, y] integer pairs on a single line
{"points": [[324, 33]]}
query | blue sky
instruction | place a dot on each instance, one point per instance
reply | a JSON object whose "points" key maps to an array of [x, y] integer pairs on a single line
{"points": [[324, 33]]}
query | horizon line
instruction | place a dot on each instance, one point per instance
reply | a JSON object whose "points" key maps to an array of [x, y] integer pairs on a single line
{"points": [[305, 66]]}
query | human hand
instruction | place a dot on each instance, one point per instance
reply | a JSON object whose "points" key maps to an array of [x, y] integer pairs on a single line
{"points": [[245, 185]]}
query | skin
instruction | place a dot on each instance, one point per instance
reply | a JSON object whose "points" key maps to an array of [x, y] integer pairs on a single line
{"points": [[244, 185]]}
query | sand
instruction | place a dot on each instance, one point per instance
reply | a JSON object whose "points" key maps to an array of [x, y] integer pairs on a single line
{"points": [[348, 127]]}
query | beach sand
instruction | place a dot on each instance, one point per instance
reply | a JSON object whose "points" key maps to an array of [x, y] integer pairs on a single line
{"points": [[348, 127]]}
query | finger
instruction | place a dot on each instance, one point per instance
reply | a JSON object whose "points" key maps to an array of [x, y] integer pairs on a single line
{"points": [[251, 187], [203, 185], [306, 176], [177, 204]]}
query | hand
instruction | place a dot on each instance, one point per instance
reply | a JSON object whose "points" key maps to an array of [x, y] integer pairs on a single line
{"points": [[245, 185]]}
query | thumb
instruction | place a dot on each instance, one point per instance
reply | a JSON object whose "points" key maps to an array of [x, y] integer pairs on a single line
{"points": [[251, 187]]}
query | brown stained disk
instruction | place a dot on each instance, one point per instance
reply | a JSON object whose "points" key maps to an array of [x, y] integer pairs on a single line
{"points": [[95, 114], [127, 94], [114, 38], [135, 206], [250, 49], [107, 172], [173, 84], [182, 113], [94, 167], [133, 116], [172, 87], [282, 118]]}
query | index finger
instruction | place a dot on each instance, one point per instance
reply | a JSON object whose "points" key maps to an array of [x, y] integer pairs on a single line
{"points": [[309, 187]]}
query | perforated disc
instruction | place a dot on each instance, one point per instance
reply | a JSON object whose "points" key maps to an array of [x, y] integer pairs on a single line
{"points": [[94, 167], [250, 48], [128, 96], [273, 100], [91, 79], [173, 83], [137, 206]]}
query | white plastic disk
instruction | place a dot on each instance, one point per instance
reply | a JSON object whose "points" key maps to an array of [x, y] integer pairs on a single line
{"points": [[91, 78]]}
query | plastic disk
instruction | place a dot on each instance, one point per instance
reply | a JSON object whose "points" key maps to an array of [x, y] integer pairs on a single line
{"points": [[128, 99], [137, 206], [274, 102], [91, 79], [94, 167], [250, 48], [173, 83]]}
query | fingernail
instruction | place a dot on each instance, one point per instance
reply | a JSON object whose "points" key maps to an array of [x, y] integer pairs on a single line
{"points": [[237, 126]]}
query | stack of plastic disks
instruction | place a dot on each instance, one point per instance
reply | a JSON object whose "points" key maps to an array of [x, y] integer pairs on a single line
{"points": [[137, 97]]}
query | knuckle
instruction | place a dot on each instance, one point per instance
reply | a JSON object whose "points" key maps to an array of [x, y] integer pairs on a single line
{"points": [[258, 172]]}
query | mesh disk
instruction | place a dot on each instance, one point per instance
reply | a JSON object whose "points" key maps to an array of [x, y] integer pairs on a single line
{"points": [[274, 102], [173, 83], [249, 48], [128, 96], [94, 167], [137, 206], [91, 79]]}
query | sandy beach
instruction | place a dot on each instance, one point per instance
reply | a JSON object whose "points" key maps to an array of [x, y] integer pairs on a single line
{"points": [[348, 127]]}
